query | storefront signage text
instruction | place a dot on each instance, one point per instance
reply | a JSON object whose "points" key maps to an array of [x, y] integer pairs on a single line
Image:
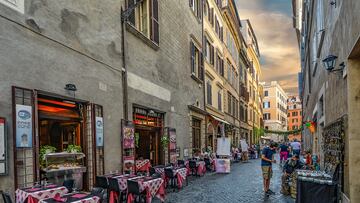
{"points": [[23, 126]]}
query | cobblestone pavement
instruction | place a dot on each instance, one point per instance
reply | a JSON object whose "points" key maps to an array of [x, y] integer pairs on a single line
{"points": [[243, 184]]}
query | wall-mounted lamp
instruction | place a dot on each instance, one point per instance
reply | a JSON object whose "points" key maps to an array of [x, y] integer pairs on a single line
{"points": [[71, 88], [333, 3], [330, 63]]}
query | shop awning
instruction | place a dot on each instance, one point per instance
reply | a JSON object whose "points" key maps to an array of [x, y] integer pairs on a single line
{"points": [[221, 120]]}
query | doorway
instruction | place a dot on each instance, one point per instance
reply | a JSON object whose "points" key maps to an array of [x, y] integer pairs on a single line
{"points": [[148, 145]]}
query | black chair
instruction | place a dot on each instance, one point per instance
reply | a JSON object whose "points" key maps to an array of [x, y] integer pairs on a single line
{"points": [[114, 186], [6, 197], [134, 189], [100, 192], [207, 164], [169, 173], [156, 175], [152, 171], [181, 163], [102, 182], [193, 167], [69, 184]]}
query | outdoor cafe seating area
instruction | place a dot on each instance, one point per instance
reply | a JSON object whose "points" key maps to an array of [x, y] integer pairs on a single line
{"points": [[148, 182]]}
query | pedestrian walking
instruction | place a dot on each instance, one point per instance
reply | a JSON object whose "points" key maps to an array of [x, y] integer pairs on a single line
{"points": [[284, 151], [296, 147], [267, 158]]}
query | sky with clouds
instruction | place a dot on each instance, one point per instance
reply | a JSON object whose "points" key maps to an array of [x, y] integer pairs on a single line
{"points": [[272, 23]]}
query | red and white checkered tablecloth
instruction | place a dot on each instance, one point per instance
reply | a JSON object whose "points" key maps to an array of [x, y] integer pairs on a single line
{"points": [[154, 187], [77, 198], [182, 172], [38, 193], [160, 170], [142, 165]]}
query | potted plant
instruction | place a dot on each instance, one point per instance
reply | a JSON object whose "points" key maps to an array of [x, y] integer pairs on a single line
{"points": [[73, 149], [164, 142], [45, 149]]}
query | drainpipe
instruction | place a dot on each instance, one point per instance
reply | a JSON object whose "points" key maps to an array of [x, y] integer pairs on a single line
{"points": [[202, 61], [124, 68]]}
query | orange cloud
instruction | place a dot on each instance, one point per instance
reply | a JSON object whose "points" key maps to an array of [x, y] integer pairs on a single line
{"points": [[277, 41]]}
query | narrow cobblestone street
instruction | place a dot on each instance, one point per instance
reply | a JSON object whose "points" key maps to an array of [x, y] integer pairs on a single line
{"points": [[243, 184]]}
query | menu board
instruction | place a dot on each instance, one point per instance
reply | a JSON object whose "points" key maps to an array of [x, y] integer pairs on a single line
{"points": [[172, 145], [222, 165], [128, 146], [223, 146]]}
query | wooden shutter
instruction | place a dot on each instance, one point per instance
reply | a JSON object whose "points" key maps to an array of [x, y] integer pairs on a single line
{"points": [[221, 34], [212, 17], [155, 21], [205, 46], [98, 113], [192, 57], [212, 55], [222, 67], [199, 9], [201, 67], [131, 18]]}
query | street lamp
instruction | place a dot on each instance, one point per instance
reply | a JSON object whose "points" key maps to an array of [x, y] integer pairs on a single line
{"points": [[330, 63]]}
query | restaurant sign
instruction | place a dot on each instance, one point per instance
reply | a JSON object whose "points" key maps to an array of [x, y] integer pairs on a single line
{"points": [[24, 126], [99, 125]]}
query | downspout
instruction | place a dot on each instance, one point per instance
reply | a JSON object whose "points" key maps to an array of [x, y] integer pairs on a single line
{"points": [[202, 61], [124, 68]]}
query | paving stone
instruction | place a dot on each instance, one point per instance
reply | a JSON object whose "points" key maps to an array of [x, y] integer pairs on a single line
{"points": [[243, 184]]}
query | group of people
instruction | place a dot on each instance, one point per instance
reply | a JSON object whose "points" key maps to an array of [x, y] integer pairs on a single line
{"points": [[289, 160], [245, 152]]}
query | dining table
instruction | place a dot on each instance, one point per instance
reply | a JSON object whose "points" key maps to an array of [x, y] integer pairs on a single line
{"points": [[143, 165], [154, 187], [200, 167], [122, 182], [80, 197], [179, 172], [36, 193]]}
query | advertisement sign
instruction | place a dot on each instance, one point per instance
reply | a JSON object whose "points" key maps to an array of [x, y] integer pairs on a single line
{"points": [[172, 145], [99, 129], [23, 126], [222, 165], [223, 147], [2, 140], [128, 137], [244, 146]]}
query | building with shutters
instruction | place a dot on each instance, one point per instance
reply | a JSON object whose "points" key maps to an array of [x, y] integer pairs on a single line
{"points": [[65, 74], [294, 111], [274, 110], [253, 81]]}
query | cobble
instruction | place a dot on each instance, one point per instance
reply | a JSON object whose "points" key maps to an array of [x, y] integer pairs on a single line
{"points": [[243, 184]]}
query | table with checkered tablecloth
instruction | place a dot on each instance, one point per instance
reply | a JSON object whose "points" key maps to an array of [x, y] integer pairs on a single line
{"points": [[34, 194], [152, 186], [181, 174], [80, 197], [143, 165], [200, 165]]}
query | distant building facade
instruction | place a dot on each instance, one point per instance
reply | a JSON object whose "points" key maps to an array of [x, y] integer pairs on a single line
{"points": [[294, 117], [275, 109]]}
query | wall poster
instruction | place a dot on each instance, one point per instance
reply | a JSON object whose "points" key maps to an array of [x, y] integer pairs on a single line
{"points": [[24, 126], [2, 147], [99, 129], [172, 145]]}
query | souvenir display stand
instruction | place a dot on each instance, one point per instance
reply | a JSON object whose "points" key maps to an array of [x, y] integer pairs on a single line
{"points": [[325, 186], [222, 163]]}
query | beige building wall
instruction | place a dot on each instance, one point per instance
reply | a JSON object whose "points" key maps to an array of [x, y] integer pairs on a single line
{"points": [[274, 109]]}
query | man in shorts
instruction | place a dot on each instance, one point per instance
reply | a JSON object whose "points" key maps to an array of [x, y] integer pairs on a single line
{"points": [[267, 158]]}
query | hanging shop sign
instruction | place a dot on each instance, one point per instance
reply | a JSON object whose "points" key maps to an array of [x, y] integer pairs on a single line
{"points": [[99, 129], [24, 126], [2, 147], [128, 146]]}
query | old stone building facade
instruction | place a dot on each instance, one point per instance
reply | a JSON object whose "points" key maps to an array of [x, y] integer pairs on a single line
{"points": [[78, 73], [330, 30]]}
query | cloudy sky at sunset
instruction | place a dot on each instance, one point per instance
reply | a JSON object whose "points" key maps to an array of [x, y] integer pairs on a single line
{"points": [[272, 23]]}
